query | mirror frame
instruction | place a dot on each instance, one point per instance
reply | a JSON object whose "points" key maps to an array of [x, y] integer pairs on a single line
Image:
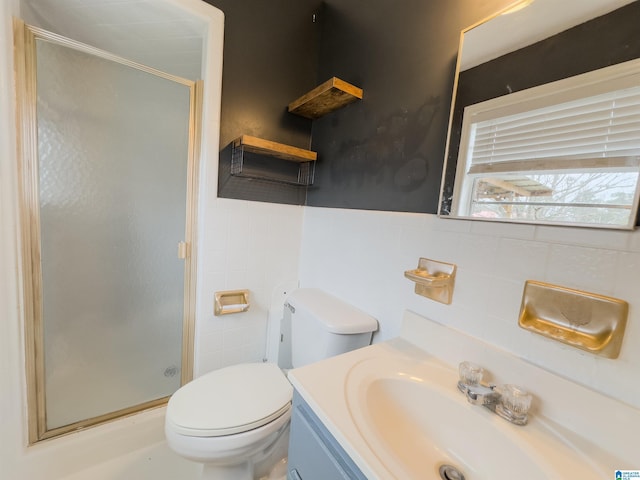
{"points": [[524, 79]]}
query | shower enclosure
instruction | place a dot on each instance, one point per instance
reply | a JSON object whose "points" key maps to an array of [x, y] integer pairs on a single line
{"points": [[109, 175]]}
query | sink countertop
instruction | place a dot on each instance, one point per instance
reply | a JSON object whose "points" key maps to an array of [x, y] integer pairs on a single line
{"points": [[323, 386]]}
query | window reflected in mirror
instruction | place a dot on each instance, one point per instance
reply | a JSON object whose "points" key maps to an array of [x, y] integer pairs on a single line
{"points": [[547, 132], [567, 151], [580, 198]]}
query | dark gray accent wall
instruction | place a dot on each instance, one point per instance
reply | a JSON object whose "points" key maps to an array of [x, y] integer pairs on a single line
{"points": [[270, 58], [386, 152]]}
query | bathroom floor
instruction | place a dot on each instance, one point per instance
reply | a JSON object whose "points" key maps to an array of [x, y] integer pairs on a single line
{"points": [[279, 472], [156, 462]]}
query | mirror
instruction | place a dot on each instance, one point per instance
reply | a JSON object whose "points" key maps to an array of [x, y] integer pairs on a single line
{"points": [[512, 67]]}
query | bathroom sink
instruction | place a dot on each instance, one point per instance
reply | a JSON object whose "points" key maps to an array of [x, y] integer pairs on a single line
{"points": [[415, 420]]}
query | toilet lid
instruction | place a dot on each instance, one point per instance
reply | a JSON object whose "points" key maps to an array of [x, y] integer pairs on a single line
{"points": [[230, 400]]}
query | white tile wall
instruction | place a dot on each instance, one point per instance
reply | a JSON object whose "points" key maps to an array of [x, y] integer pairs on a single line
{"points": [[361, 256], [246, 245]]}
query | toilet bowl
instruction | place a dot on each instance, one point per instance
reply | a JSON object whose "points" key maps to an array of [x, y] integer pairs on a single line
{"points": [[235, 420], [232, 420]]}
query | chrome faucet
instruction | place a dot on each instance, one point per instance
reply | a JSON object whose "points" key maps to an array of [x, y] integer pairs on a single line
{"points": [[508, 401], [486, 396]]}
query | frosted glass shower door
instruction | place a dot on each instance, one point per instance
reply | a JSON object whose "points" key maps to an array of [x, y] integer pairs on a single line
{"points": [[113, 159]]}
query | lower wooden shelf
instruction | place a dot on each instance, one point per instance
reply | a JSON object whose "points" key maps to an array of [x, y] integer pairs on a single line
{"points": [[270, 148], [253, 157]]}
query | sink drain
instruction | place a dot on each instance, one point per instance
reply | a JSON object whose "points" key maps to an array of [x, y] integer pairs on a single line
{"points": [[448, 472]]}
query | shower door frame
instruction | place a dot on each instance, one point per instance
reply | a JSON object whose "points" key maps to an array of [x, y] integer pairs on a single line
{"points": [[25, 37]]}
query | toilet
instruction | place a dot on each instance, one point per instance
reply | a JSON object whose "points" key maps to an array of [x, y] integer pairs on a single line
{"points": [[235, 420]]}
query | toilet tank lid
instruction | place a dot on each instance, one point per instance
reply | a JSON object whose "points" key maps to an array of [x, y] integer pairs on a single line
{"points": [[337, 315]]}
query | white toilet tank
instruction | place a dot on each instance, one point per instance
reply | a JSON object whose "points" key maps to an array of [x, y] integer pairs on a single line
{"points": [[323, 326]]}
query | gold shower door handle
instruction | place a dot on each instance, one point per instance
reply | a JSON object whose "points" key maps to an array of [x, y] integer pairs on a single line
{"points": [[182, 250]]}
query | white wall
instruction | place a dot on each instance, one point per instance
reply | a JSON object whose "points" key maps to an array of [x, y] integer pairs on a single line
{"points": [[241, 245], [11, 371], [361, 256]]}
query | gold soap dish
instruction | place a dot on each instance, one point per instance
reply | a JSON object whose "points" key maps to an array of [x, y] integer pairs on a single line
{"points": [[231, 301], [588, 321], [433, 279]]}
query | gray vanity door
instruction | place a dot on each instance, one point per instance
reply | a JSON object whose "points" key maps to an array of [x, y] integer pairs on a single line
{"points": [[314, 454]]}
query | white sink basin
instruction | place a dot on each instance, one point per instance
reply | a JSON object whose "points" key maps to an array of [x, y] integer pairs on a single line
{"points": [[415, 420]]}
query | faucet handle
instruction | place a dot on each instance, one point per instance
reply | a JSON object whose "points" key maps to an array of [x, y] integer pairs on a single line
{"points": [[470, 373], [514, 404]]}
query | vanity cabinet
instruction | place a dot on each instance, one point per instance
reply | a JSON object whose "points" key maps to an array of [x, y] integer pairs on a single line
{"points": [[314, 454]]}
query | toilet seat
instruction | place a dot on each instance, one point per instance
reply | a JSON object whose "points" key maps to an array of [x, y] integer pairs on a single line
{"points": [[230, 400]]}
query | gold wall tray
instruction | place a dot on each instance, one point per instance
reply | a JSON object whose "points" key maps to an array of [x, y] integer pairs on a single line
{"points": [[588, 321], [433, 279], [231, 301]]}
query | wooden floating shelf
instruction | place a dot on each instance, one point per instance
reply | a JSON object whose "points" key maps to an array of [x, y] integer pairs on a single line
{"points": [[274, 149], [331, 95]]}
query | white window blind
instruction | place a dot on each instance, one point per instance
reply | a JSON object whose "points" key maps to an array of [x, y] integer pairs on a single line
{"points": [[606, 125], [601, 126]]}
